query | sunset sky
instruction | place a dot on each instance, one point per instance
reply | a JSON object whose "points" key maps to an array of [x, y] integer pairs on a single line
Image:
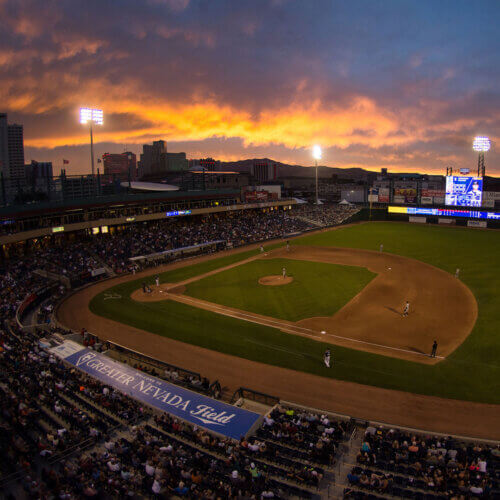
{"points": [[378, 83]]}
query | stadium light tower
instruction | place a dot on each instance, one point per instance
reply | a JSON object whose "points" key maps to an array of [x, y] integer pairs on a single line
{"points": [[317, 156], [481, 144], [91, 116]]}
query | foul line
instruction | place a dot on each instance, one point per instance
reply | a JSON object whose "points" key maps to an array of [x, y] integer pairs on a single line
{"points": [[283, 326]]}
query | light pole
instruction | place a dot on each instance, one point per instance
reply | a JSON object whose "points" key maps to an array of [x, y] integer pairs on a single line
{"points": [[317, 156], [88, 115], [481, 145]]}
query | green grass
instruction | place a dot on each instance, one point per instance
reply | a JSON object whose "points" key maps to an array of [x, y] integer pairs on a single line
{"points": [[472, 372], [317, 289]]}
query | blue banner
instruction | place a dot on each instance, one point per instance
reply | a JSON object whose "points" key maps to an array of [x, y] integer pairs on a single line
{"points": [[445, 212], [203, 411]]}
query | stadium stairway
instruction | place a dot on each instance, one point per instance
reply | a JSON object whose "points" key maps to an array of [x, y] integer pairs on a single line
{"points": [[109, 270], [344, 465], [309, 221]]}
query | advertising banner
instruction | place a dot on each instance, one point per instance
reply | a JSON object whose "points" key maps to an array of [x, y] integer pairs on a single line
{"points": [[426, 200], [438, 200], [444, 220], [253, 196], [408, 194], [452, 212], [477, 223], [421, 220], [399, 199], [198, 409], [373, 198], [432, 192], [383, 195]]}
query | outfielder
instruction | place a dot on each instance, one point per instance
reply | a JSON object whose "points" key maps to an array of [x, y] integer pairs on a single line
{"points": [[326, 358], [406, 309], [381, 247], [284, 272]]}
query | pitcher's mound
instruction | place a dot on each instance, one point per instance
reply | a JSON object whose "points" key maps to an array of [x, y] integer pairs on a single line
{"points": [[275, 280]]}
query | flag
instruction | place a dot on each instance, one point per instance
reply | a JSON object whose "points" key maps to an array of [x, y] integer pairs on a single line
{"points": [[65, 162]]}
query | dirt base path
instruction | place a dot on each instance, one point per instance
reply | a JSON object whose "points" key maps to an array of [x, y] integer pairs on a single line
{"points": [[360, 401]]}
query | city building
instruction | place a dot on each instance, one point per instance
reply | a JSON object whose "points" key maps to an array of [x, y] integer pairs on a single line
{"points": [[264, 170], [120, 164], [11, 150], [157, 162], [16, 151], [208, 164]]}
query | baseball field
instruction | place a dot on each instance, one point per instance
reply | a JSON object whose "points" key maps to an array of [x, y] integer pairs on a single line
{"points": [[344, 295]]}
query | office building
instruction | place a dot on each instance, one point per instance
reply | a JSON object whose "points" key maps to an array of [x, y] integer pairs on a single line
{"points": [[11, 150], [122, 165]]}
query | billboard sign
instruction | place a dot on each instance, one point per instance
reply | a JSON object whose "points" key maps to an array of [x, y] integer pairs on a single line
{"points": [[408, 194], [212, 414], [477, 223], [464, 191], [444, 212]]}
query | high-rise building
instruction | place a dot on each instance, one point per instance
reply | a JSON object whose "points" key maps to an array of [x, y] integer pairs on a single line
{"points": [[16, 151], [4, 146], [11, 149], [264, 170], [121, 164], [156, 161], [151, 158]]}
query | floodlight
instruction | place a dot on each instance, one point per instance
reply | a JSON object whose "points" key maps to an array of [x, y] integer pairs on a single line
{"points": [[91, 115], [481, 144], [317, 152]]}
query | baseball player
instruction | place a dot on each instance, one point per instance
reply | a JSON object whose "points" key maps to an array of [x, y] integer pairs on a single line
{"points": [[157, 280], [262, 249], [327, 358], [457, 273], [406, 309], [381, 247], [284, 272], [287, 246], [434, 349]]}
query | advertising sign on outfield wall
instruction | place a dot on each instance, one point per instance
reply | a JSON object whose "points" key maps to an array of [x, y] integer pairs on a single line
{"points": [[477, 223], [426, 200], [399, 199], [444, 220], [196, 408], [420, 220]]}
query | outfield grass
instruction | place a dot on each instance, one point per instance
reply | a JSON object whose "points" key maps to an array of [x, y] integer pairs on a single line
{"points": [[317, 289], [472, 372]]}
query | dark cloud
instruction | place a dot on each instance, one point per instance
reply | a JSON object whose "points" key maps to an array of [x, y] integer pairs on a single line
{"points": [[268, 75]]}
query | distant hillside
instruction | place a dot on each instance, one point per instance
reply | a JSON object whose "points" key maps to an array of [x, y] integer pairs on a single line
{"points": [[285, 170]]}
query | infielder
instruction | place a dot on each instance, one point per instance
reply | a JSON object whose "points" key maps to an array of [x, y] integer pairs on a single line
{"points": [[381, 247], [406, 309], [457, 273], [261, 249], [287, 246], [157, 280], [326, 358], [284, 272]]}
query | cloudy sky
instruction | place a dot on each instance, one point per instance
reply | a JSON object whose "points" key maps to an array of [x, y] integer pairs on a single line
{"points": [[378, 83]]}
